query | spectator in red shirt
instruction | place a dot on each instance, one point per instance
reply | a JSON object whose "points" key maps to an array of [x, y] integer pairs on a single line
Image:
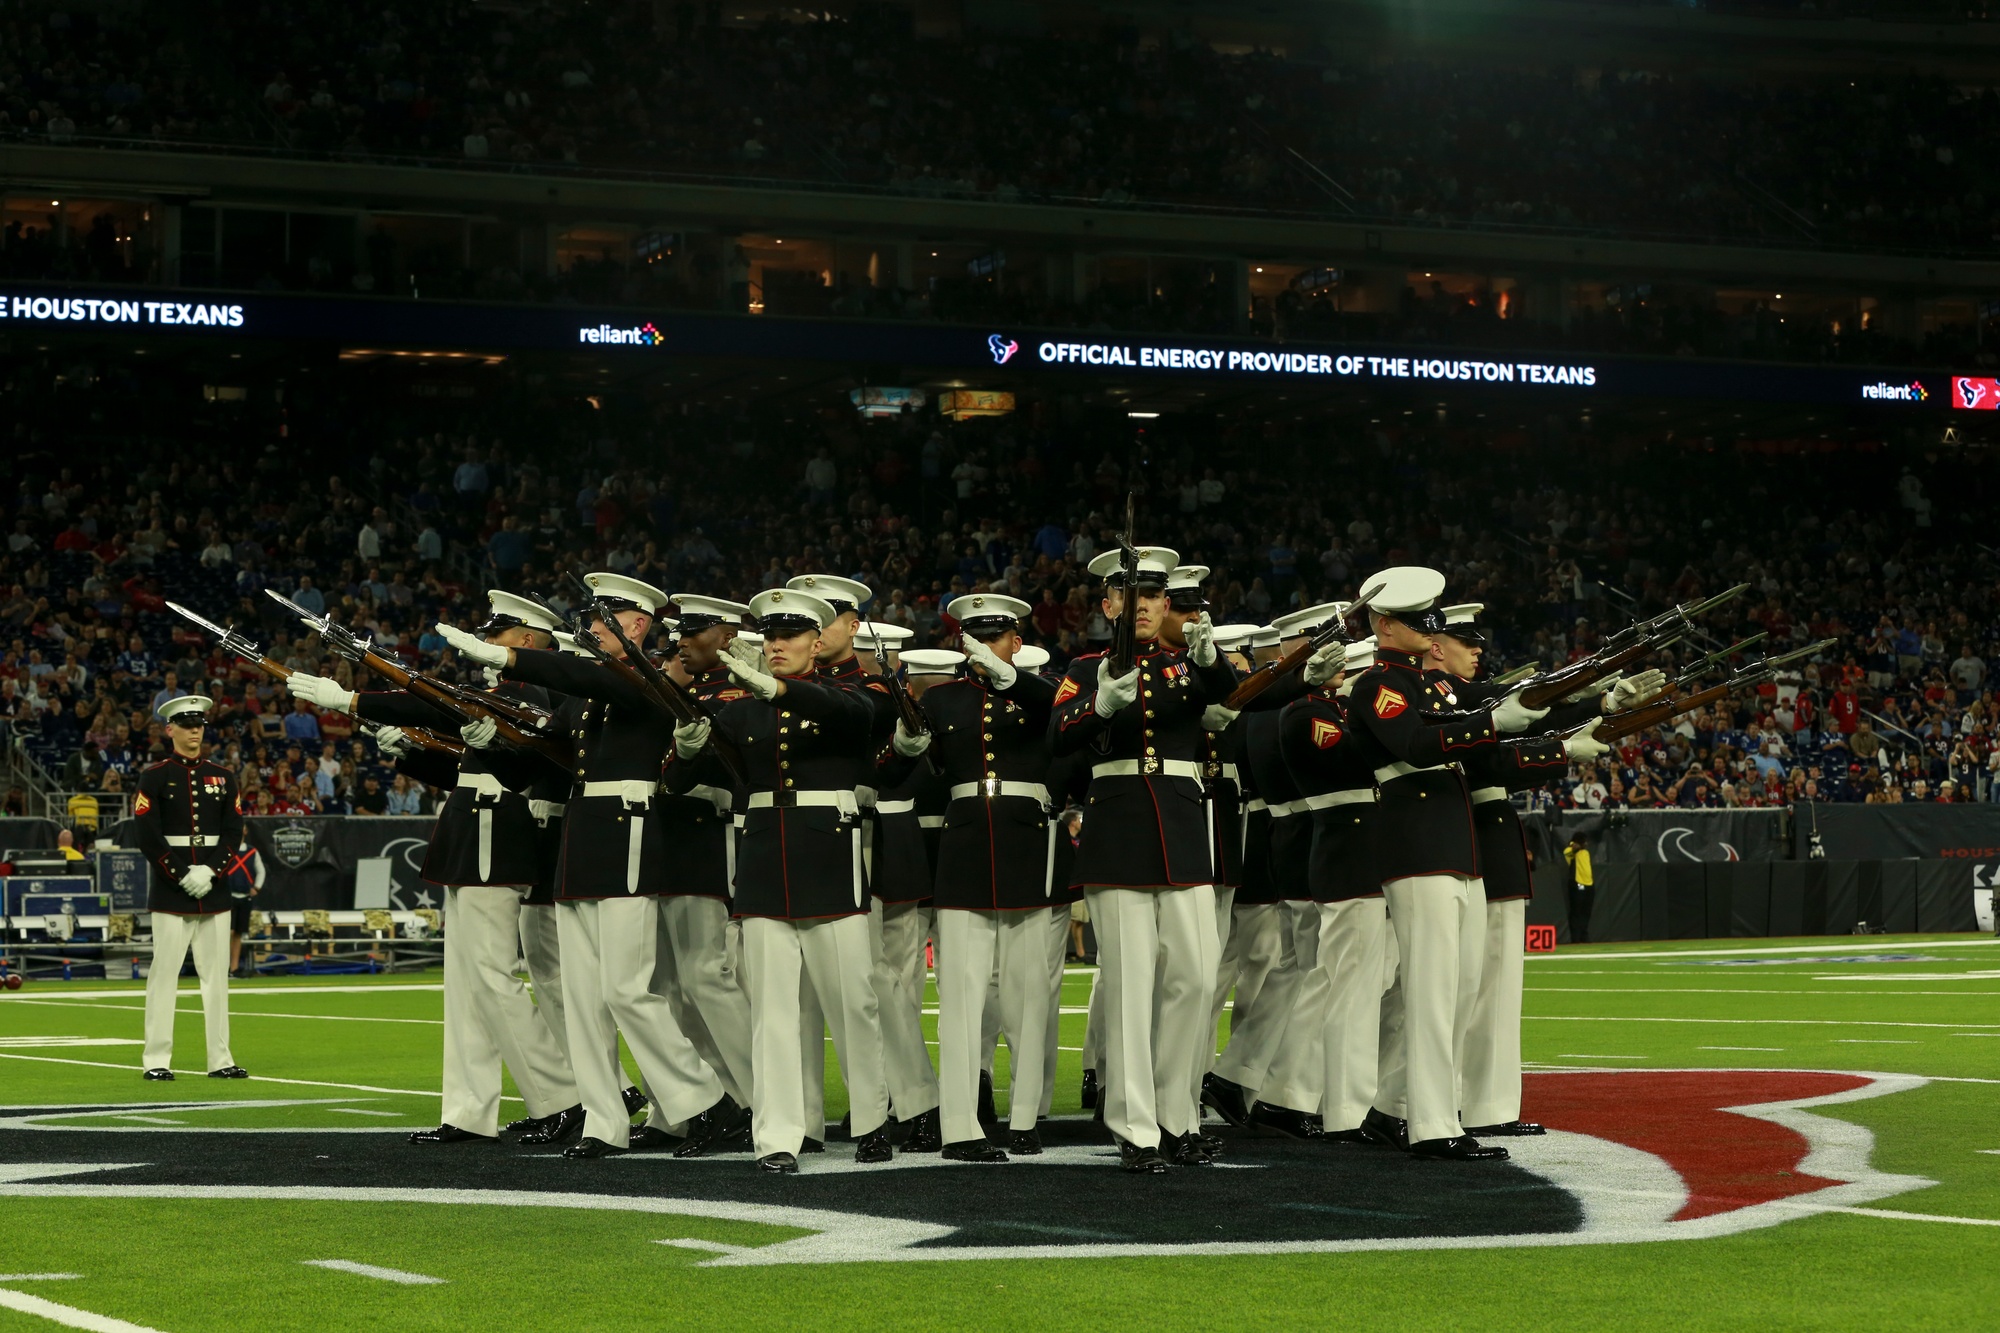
{"points": [[1844, 709]]}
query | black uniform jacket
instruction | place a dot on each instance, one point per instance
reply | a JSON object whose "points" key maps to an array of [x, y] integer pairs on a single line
{"points": [[1323, 759], [1148, 828], [999, 851], [484, 833], [805, 752], [1275, 869], [186, 814], [1222, 767], [696, 818], [1423, 823], [613, 842], [910, 800], [1494, 774]]}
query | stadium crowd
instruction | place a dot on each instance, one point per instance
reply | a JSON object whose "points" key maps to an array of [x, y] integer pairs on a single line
{"points": [[638, 86], [135, 500]]}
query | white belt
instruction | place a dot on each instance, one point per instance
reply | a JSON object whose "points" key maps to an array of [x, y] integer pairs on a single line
{"points": [[719, 797], [1328, 799], [487, 785], [1480, 795], [544, 811], [895, 807], [864, 797], [930, 821], [193, 840], [1132, 768], [1228, 773], [1254, 804], [1284, 808], [842, 800], [1402, 770], [632, 791], [990, 787]]}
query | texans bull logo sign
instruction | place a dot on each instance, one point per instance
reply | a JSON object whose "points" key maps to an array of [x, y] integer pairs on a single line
{"points": [[1631, 1156]]}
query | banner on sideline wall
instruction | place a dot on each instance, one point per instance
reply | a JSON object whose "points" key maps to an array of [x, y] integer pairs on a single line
{"points": [[1621, 837], [309, 863], [1969, 833]]}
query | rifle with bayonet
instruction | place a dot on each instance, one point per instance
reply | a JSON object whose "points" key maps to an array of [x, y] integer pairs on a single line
{"points": [[1264, 677], [677, 703], [911, 716], [1619, 651], [1619, 725], [1125, 635], [520, 726], [232, 642]]}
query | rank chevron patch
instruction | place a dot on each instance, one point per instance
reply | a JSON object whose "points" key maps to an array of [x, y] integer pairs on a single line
{"points": [[1068, 690], [1325, 733], [1388, 702]]}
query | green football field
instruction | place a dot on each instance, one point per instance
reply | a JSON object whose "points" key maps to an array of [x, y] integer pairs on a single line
{"points": [[1663, 1204]]}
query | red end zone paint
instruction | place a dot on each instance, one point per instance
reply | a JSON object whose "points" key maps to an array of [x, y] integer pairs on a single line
{"points": [[1727, 1160]]}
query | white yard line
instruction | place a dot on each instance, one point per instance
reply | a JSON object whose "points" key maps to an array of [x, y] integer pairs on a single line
{"points": [[150, 1119], [1876, 947], [254, 1078], [235, 988], [356, 1110], [67, 1314], [1739, 1048], [1792, 1022], [187, 1003], [708, 1246], [1751, 990], [1873, 1041], [39, 1277], [1604, 1057], [371, 1270]]}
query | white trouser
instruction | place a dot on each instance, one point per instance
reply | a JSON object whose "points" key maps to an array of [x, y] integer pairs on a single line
{"points": [[1093, 1022], [1226, 968], [836, 960], [1297, 1077], [1392, 1085], [610, 949], [1267, 981], [542, 950], [1440, 925], [174, 937], [488, 1017], [902, 929], [970, 945], [692, 974], [1159, 955], [1352, 938], [1493, 1043], [1057, 924]]}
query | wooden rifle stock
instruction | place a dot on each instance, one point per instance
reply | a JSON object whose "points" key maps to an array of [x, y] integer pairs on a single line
{"points": [[1264, 677], [512, 722], [1619, 725], [676, 702], [1565, 681]]}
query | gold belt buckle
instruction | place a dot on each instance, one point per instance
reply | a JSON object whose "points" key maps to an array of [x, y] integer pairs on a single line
{"points": [[1149, 765], [989, 787], [1212, 770]]}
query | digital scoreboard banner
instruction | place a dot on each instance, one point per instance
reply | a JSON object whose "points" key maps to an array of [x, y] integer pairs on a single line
{"points": [[992, 358]]}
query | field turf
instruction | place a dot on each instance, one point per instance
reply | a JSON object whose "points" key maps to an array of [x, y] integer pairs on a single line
{"points": [[184, 1221]]}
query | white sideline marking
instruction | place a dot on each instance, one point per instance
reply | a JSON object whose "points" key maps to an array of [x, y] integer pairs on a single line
{"points": [[355, 1110], [188, 1004], [370, 1270], [1876, 947], [39, 1277], [150, 1119], [67, 1314], [711, 1246], [1604, 1057], [1795, 1022], [15, 1043], [237, 988], [1901, 1216], [1990, 1152], [254, 1078], [1724, 990], [1739, 1048], [1872, 1041]]}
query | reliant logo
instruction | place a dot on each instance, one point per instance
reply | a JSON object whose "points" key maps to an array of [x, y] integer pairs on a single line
{"points": [[1002, 347], [1913, 392], [643, 336]]}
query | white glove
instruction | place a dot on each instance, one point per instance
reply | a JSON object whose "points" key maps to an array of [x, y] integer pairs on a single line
{"points": [[472, 647], [391, 741], [691, 738], [1632, 691], [319, 691], [1582, 745], [1002, 674], [1114, 693], [751, 673], [910, 746], [1200, 636], [479, 734], [1596, 687], [1217, 718], [1325, 664], [1511, 715], [744, 651], [198, 881]]}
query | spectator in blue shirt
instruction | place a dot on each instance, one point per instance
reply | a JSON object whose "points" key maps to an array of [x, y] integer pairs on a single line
{"points": [[136, 661], [509, 549], [300, 724], [171, 690], [1052, 540], [309, 597]]}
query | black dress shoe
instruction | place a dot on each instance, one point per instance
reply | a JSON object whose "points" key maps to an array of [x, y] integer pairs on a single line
{"points": [[874, 1146], [1141, 1161], [526, 1123], [1513, 1129], [973, 1150], [926, 1135], [558, 1128], [651, 1138], [635, 1101], [230, 1071], [1346, 1136], [161, 1075], [589, 1147], [811, 1145], [1210, 1144], [1090, 1092], [989, 1119], [451, 1134], [1024, 1143], [779, 1164], [1282, 1120], [1182, 1149], [1387, 1130], [739, 1139], [1229, 1100], [1317, 1121], [711, 1125], [1461, 1149]]}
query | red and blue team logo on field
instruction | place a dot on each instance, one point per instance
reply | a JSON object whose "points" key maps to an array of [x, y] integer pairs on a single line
{"points": [[1002, 347], [1630, 1156]]}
